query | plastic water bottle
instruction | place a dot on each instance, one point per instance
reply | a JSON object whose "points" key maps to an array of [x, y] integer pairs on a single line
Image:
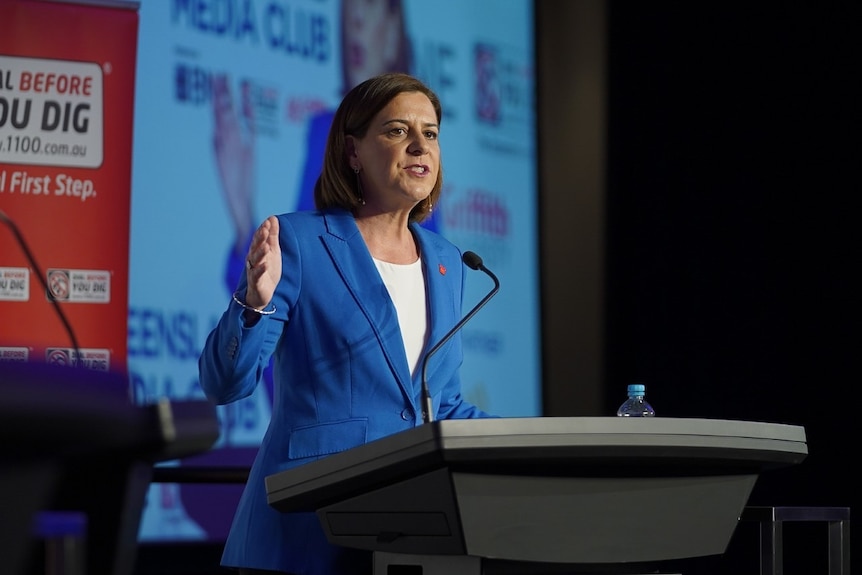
{"points": [[636, 405]]}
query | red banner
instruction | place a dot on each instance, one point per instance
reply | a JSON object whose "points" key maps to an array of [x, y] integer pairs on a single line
{"points": [[67, 81]]}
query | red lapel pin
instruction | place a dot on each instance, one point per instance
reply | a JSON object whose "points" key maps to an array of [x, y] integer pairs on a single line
{"points": [[442, 269]]}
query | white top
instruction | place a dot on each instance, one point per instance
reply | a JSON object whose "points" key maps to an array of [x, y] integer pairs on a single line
{"points": [[406, 286]]}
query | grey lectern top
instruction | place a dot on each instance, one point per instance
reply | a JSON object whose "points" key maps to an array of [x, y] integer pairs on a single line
{"points": [[575, 490]]}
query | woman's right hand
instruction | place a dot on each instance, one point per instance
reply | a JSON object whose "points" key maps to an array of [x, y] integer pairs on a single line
{"points": [[263, 264]]}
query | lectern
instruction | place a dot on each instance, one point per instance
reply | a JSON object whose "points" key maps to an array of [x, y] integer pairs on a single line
{"points": [[579, 491]]}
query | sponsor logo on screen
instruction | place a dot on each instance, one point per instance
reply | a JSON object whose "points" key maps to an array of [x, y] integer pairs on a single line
{"points": [[504, 102], [79, 286], [480, 217]]}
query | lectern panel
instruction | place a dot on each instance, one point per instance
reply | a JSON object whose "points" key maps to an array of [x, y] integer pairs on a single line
{"points": [[599, 520], [417, 515]]}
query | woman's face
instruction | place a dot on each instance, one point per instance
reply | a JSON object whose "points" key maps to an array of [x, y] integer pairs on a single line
{"points": [[371, 37], [399, 157]]}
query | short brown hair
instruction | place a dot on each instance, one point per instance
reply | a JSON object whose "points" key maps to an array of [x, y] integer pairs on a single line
{"points": [[337, 184]]}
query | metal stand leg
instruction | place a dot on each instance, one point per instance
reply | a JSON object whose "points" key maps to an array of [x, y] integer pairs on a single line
{"points": [[771, 534], [839, 547], [771, 548]]}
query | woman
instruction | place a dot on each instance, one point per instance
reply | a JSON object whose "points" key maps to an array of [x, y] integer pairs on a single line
{"points": [[347, 300]]}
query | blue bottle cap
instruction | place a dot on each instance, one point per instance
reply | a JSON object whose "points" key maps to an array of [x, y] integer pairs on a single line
{"points": [[636, 388]]}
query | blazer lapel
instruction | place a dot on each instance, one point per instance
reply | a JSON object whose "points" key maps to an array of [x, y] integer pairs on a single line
{"points": [[356, 267], [443, 281]]}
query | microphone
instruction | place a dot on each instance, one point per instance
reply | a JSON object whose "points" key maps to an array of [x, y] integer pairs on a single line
{"points": [[38, 272], [474, 262]]}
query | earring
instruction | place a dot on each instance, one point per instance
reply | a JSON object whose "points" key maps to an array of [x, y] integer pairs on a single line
{"points": [[430, 205], [359, 187]]}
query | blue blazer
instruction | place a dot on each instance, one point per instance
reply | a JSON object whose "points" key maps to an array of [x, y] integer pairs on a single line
{"points": [[340, 375]]}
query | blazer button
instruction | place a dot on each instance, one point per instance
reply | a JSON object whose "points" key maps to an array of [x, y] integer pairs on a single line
{"points": [[232, 347], [406, 415]]}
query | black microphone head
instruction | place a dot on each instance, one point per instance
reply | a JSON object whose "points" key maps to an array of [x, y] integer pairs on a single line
{"points": [[472, 260]]}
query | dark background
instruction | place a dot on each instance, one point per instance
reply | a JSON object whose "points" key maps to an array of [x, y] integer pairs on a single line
{"points": [[725, 189]]}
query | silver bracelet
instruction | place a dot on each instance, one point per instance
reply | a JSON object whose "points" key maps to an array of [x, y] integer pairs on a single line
{"points": [[244, 305]]}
